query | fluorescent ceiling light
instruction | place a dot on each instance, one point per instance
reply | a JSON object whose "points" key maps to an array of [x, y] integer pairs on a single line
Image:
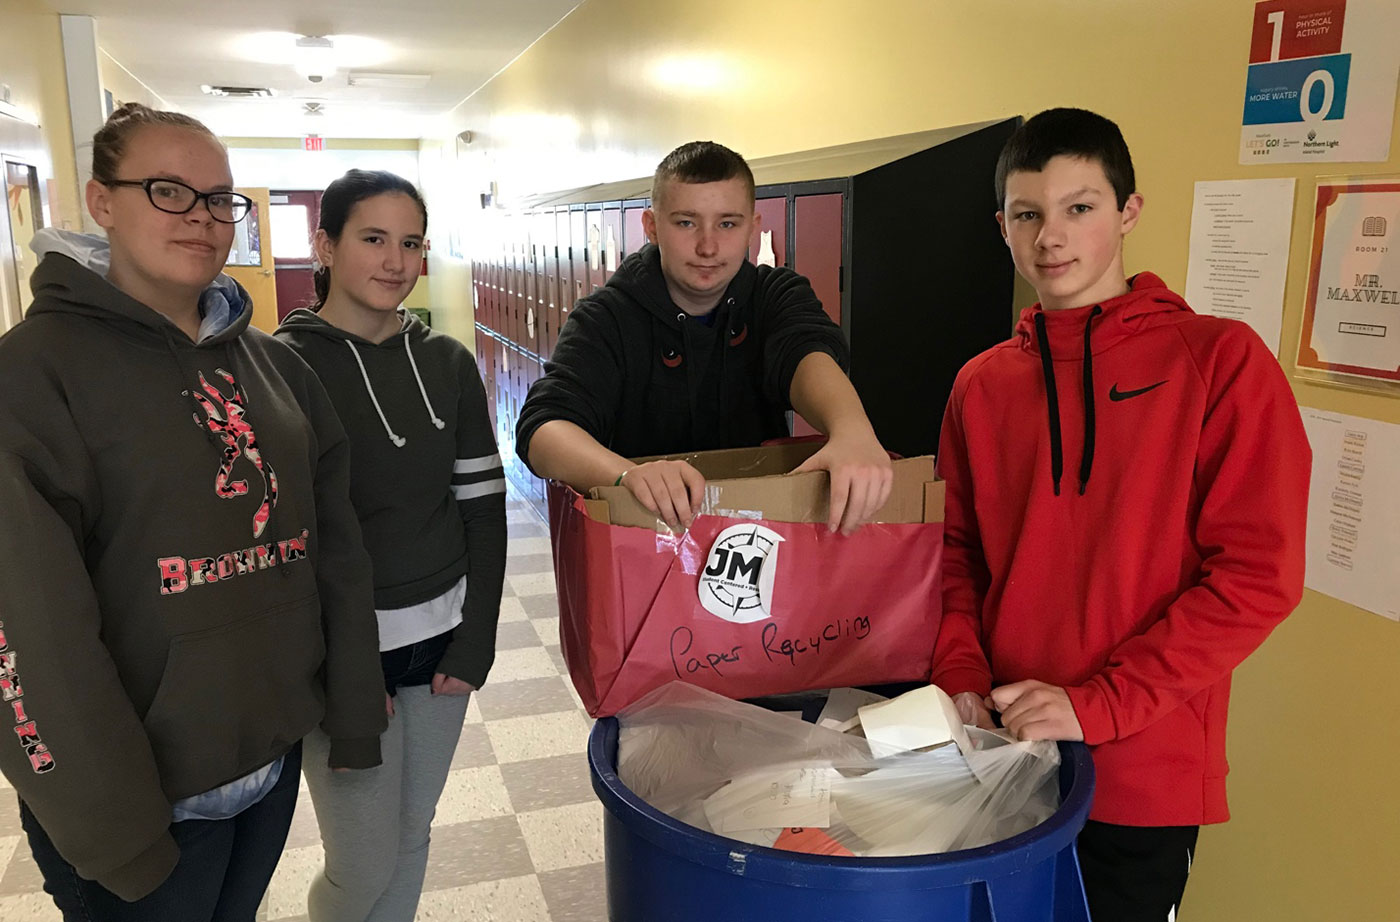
{"points": [[314, 58], [239, 91], [388, 81]]}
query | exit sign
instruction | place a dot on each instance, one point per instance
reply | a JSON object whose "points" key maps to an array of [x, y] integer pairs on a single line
{"points": [[313, 142]]}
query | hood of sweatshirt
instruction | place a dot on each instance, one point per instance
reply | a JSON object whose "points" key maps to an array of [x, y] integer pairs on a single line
{"points": [[412, 331], [1147, 303], [1081, 333], [76, 282], [640, 277]]}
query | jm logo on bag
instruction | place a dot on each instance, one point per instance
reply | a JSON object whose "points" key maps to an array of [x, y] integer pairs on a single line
{"points": [[737, 583]]}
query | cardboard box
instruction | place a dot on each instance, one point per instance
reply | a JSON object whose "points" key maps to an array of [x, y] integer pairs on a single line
{"points": [[757, 597], [755, 483]]}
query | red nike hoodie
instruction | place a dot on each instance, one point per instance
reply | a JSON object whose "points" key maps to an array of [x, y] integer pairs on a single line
{"points": [[1127, 498]]}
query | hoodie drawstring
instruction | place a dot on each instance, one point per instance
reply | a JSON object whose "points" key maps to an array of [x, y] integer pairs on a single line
{"points": [[398, 440], [189, 377], [1052, 402], [1086, 460], [408, 347]]}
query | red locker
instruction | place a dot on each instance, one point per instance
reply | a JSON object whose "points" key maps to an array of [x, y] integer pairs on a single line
{"points": [[475, 270], [773, 215], [502, 327], [516, 290], [486, 359], [593, 247], [534, 371], [547, 274], [609, 243], [633, 236], [816, 249], [483, 316], [493, 277], [566, 272], [509, 364], [816, 246], [529, 311], [522, 283], [578, 249]]}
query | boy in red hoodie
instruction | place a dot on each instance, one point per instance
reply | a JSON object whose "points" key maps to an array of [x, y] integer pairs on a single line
{"points": [[1127, 496]]}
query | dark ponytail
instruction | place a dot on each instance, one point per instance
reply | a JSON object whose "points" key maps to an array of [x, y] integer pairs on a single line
{"points": [[341, 197]]}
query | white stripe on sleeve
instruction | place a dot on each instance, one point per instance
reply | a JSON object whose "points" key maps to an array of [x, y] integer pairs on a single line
{"points": [[476, 490], [476, 465]]}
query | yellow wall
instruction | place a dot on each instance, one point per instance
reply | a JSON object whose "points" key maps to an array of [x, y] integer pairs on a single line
{"points": [[31, 62], [1314, 747], [122, 84], [421, 295]]}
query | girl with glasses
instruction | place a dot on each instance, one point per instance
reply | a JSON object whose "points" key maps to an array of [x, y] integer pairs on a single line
{"points": [[183, 585], [427, 482]]}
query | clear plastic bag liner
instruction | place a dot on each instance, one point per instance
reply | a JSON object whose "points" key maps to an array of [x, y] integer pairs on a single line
{"points": [[679, 746]]}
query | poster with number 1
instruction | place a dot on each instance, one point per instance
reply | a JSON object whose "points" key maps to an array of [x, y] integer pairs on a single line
{"points": [[1321, 81]]}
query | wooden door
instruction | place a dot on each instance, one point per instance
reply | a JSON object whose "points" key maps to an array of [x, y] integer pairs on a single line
{"points": [[250, 260]]}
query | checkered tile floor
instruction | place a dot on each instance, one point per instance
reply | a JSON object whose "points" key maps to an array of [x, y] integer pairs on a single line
{"points": [[518, 834]]}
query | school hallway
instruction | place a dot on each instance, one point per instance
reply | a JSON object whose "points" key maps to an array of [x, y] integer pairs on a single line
{"points": [[518, 833]]}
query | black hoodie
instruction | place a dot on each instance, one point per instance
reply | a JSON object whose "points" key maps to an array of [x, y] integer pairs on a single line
{"points": [[425, 475], [183, 586], [644, 378]]}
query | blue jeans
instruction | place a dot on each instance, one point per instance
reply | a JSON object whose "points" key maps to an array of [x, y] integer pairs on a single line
{"points": [[414, 664], [223, 872]]}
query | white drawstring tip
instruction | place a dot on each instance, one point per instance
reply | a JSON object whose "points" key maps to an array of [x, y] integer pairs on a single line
{"points": [[439, 423], [398, 440]]}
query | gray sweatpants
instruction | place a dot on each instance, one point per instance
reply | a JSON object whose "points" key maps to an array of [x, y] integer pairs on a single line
{"points": [[375, 822]]}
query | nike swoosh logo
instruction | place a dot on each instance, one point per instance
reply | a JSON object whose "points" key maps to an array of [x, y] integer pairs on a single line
{"points": [[1115, 394]]}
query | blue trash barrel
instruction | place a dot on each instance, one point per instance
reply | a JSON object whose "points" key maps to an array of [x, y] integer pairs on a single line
{"points": [[662, 870]]}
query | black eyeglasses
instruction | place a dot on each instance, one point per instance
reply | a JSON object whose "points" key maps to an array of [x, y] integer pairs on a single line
{"points": [[174, 197]]}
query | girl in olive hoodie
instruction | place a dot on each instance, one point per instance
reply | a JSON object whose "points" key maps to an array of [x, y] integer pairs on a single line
{"points": [[427, 482], [183, 585]]}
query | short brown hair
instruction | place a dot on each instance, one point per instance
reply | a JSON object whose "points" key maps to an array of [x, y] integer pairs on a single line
{"points": [[701, 161], [109, 144]]}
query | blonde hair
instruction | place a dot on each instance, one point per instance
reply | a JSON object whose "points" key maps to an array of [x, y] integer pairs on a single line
{"points": [[109, 144]]}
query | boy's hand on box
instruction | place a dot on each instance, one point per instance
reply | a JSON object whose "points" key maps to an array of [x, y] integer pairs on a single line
{"points": [[671, 490], [1034, 710], [973, 711], [861, 478]]}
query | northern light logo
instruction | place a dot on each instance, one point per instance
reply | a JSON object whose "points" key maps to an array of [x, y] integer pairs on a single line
{"points": [[737, 583]]}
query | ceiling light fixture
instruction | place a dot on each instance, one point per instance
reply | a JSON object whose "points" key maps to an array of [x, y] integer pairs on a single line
{"points": [[242, 92], [366, 78], [314, 58]]}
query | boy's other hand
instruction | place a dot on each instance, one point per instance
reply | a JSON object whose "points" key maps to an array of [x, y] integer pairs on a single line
{"points": [[861, 477], [972, 711], [1034, 710], [671, 490]]}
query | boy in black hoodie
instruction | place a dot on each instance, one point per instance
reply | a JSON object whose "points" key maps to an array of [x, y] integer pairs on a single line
{"points": [[690, 347]]}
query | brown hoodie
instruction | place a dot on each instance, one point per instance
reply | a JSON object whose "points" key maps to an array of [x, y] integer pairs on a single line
{"points": [[183, 588]]}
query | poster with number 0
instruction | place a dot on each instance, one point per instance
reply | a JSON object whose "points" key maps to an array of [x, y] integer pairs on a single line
{"points": [[1321, 81]]}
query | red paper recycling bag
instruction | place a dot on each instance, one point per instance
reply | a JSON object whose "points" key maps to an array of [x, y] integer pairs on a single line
{"points": [[744, 608]]}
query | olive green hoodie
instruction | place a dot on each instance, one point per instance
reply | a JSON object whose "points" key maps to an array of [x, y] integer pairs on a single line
{"points": [[183, 587]]}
